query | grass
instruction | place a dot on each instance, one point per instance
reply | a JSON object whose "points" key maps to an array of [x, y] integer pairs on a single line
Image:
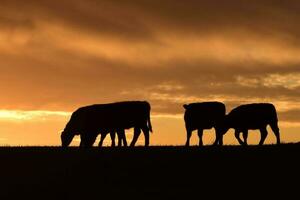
{"points": [[149, 173]]}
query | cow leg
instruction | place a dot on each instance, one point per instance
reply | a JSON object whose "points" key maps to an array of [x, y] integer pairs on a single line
{"points": [[81, 145], [245, 136], [237, 136], [146, 135], [112, 137], [83, 141], [219, 137], [121, 138], [220, 140], [102, 137], [275, 130], [87, 140], [91, 139], [188, 137], [124, 138], [263, 133], [200, 134], [136, 134]]}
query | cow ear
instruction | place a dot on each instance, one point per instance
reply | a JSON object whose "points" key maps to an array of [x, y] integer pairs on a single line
{"points": [[185, 106]]}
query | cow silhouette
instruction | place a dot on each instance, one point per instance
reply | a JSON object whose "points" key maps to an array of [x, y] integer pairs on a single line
{"points": [[250, 117], [91, 120], [204, 115]]}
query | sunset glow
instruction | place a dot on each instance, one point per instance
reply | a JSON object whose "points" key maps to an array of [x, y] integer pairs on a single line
{"points": [[17, 115], [56, 56]]}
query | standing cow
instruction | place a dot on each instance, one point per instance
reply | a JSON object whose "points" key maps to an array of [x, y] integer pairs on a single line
{"points": [[204, 115], [250, 117], [91, 120]]}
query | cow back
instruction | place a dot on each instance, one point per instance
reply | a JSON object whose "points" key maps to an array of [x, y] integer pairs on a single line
{"points": [[120, 115], [204, 115], [252, 116]]}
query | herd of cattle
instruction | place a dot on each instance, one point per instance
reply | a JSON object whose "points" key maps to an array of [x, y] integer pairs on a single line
{"points": [[115, 118]]}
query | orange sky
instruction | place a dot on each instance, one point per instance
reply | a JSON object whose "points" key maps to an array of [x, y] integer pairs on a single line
{"points": [[56, 56]]}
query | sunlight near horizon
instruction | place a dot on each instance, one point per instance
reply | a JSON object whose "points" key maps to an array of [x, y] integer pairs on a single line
{"points": [[44, 115], [42, 128], [19, 115]]}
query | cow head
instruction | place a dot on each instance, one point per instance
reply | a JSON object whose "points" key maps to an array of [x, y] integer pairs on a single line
{"points": [[66, 138]]}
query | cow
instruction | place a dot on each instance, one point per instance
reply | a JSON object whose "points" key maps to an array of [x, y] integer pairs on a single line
{"points": [[251, 117], [204, 115], [91, 120]]}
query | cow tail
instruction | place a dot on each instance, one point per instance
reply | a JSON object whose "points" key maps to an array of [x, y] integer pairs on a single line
{"points": [[149, 122], [148, 116], [275, 117]]}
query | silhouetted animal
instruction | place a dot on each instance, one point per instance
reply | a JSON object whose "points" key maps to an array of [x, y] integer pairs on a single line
{"points": [[250, 117], [204, 115], [91, 120]]}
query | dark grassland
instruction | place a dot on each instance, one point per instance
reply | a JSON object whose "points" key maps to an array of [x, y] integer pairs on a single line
{"points": [[158, 172]]}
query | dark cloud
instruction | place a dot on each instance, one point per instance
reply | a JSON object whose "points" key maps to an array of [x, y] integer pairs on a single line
{"points": [[71, 81], [100, 17], [140, 18], [40, 70], [9, 22]]}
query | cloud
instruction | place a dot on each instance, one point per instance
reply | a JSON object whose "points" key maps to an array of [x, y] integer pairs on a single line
{"points": [[290, 115], [133, 19], [59, 55]]}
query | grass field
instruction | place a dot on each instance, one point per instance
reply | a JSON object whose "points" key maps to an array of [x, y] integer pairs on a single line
{"points": [[158, 172]]}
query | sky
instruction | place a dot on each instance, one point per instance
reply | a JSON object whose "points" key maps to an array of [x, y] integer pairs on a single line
{"points": [[56, 56]]}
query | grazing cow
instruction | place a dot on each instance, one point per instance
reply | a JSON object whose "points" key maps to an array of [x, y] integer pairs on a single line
{"points": [[204, 115], [91, 120], [250, 117]]}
